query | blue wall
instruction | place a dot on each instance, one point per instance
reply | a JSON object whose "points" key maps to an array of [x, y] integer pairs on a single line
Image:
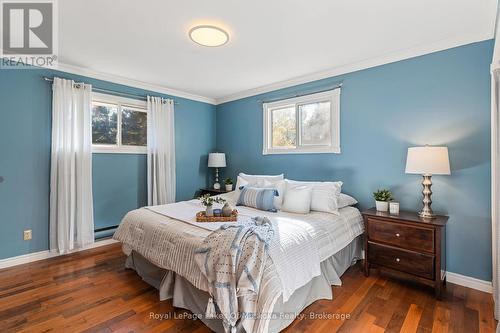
{"points": [[119, 184], [119, 180], [439, 99]]}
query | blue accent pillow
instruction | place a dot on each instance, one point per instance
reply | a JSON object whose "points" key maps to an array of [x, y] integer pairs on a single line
{"points": [[256, 197]]}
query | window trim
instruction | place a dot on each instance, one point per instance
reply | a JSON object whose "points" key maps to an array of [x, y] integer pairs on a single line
{"points": [[118, 148], [333, 96]]}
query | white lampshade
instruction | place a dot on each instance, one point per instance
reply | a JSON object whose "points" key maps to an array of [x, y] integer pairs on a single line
{"points": [[216, 160], [428, 160]]}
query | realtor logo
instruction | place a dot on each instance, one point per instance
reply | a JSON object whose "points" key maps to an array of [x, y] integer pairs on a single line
{"points": [[28, 33]]}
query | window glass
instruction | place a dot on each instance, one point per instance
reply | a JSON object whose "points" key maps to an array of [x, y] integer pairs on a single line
{"points": [[284, 131], [315, 124], [134, 127], [104, 123]]}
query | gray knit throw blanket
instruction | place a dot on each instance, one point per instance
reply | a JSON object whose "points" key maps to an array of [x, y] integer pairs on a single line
{"points": [[232, 259]]}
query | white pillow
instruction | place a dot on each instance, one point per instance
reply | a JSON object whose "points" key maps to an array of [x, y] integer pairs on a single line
{"points": [[280, 187], [297, 198], [325, 195], [252, 179], [346, 200], [239, 183]]}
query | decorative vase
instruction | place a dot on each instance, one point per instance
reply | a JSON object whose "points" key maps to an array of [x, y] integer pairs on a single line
{"points": [[382, 206], [229, 187], [209, 211], [226, 210]]}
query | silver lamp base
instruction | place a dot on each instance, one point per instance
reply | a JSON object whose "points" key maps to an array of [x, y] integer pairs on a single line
{"points": [[427, 212], [216, 184]]}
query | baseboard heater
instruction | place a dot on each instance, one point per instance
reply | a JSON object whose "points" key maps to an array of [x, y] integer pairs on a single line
{"points": [[106, 228], [105, 232]]}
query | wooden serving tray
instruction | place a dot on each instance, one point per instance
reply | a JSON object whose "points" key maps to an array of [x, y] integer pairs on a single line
{"points": [[201, 217]]}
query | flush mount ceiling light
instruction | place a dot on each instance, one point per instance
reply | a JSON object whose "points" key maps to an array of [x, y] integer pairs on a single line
{"points": [[208, 35]]}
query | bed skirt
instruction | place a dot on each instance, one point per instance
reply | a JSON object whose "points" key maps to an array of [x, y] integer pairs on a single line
{"points": [[184, 295]]}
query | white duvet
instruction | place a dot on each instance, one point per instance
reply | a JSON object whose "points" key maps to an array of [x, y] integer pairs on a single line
{"points": [[294, 254], [292, 249]]}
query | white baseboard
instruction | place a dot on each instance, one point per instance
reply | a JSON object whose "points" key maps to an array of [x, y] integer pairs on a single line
{"points": [[455, 278], [31, 257], [469, 282]]}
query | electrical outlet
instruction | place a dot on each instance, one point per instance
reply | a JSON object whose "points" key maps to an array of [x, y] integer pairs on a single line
{"points": [[27, 234]]}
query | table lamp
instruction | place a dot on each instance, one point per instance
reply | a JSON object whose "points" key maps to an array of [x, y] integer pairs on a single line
{"points": [[427, 161], [216, 160]]}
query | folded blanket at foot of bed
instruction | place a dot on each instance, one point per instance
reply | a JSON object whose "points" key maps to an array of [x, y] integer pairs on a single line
{"points": [[233, 259]]}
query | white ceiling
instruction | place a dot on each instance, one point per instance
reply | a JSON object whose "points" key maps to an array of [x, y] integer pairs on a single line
{"points": [[273, 43]]}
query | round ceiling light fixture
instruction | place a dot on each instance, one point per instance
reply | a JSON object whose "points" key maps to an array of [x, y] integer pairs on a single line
{"points": [[208, 35]]}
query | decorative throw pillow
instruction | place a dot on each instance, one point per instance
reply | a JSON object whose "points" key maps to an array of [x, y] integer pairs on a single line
{"points": [[260, 198], [297, 198], [346, 200], [325, 195]]}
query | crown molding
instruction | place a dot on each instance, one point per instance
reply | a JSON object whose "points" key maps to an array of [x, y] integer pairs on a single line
{"points": [[77, 70], [364, 64], [131, 82]]}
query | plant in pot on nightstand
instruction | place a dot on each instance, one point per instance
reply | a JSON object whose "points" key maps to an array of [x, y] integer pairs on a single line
{"points": [[382, 198], [208, 202], [229, 184]]}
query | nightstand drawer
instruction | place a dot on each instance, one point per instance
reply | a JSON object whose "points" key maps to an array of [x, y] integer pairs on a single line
{"points": [[401, 235], [402, 260]]}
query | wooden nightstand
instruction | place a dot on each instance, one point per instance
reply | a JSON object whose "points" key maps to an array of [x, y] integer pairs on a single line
{"points": [[211, 191], [407, 244]]}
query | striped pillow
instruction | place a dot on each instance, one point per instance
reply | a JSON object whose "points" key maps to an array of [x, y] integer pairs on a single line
{"points": [[260, 198]]}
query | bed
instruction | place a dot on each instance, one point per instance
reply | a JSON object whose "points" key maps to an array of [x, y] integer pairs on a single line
{"points": [[160, 248]]}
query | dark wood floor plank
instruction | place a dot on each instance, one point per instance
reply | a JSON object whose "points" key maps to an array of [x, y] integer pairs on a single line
{"points": [[91, 291], [427, 318]]}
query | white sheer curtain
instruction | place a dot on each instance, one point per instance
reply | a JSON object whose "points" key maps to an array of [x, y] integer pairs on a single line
{"points": [[161, 151], [71, 211]]}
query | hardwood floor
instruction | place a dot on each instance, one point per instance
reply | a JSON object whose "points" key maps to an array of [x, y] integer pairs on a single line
{"points": [[90, 291]]}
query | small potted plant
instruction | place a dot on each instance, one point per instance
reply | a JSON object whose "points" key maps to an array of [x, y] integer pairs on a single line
{"points": [[229, 184], [382, 198], [208, 202]]}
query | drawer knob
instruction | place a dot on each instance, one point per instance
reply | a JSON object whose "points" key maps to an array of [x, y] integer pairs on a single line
{"points": [[398, 260], [397, 235]]}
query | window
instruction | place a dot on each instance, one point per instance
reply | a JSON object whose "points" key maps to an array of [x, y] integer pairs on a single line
{"points": [[305, 124], [119, 125]]}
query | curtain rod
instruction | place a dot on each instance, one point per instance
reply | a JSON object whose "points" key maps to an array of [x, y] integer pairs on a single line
{"points": [[337, 86], [112, 92]]}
